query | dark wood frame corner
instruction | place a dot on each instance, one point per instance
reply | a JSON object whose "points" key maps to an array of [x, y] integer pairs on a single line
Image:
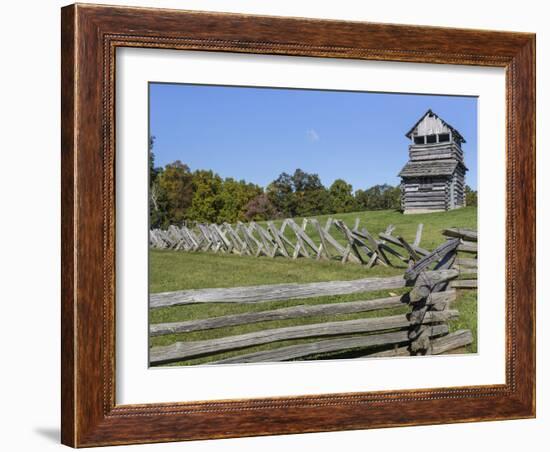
{"points": [[90, 36]]}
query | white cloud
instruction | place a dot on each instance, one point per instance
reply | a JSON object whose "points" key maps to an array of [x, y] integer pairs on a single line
{"points": [[312, 135]]}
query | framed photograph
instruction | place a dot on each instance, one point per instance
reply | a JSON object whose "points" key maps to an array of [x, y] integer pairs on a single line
{"points": [[281, 225]]}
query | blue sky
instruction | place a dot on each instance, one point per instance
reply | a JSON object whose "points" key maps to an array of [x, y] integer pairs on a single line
{"points": [[257, 133]]}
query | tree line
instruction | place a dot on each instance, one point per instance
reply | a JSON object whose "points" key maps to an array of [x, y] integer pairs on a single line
{"points": [[177, 194]]}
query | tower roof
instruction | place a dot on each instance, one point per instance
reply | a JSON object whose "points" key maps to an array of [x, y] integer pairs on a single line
{"points": [[443, 167], [433, 123]]}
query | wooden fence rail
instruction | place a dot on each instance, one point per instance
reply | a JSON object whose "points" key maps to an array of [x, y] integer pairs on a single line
{"points": [[185, 350], [330, 345], [467, 266], [440, 299], [439, 345], [278, 292]]}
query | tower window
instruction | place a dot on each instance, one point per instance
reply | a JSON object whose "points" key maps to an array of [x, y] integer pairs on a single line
{"points": [[431, 139], [444, 137], [418, 140], [426, 184]]}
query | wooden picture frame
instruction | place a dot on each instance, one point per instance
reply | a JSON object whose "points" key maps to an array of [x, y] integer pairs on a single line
{"points": [[90, 36]]}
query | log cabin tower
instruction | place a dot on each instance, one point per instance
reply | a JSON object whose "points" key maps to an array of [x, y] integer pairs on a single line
{"points": [[433, 178]]}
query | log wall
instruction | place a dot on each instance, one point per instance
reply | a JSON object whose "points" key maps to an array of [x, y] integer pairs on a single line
{"points": [[437, 151], [420, 193]]}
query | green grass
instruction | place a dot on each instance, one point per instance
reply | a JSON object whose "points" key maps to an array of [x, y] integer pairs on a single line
{"points": [[170, 270], [176, 270], [466, 304], [377, 221]]}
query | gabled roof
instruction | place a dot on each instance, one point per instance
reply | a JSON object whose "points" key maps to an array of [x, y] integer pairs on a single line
{"points": [[443, 167], [431, 113]]}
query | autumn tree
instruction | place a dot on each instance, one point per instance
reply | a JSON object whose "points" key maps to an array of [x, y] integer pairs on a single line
{"points": [[176, 194], [233, 199], [260, 208], [205, 204]]}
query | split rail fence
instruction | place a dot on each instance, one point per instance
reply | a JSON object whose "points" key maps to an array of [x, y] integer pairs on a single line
{"points": [[253, 239], [432, 278]]}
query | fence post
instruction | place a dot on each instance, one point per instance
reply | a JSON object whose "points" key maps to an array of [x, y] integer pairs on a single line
{"points": [[420, 335]]}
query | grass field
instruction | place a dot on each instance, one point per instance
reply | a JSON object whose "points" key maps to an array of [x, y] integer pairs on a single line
{"points": [[176, 270], [405, 225]]}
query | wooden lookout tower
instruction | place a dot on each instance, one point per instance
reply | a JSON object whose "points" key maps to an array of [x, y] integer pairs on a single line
{"points": [[433, 178]]}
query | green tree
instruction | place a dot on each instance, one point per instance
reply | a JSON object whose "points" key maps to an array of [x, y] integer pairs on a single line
{"points": [[175, 191], [391, 197], [315, 202], [158, 207], [299, 194], [310, 196], [158, 202], [471, 196], [302, 181], [361, 199], [281, 194], [342, 197], [379, 197], [153, 171]]}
